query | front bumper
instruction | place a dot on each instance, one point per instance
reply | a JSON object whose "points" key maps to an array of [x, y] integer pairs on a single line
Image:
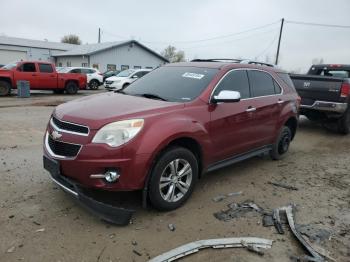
{"points": [[327, 106], [113, 86], [106, 212]]}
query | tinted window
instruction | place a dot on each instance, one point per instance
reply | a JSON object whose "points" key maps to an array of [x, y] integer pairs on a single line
{"points": [[285, 77], [28, 67], [179, 84], [235, 81], [278, 89], [45, 68], [261, 84], [76, 71]]}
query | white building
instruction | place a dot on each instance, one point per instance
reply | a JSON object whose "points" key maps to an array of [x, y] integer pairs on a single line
{"points": [[104, 56], [15, 49], [111, 56]]}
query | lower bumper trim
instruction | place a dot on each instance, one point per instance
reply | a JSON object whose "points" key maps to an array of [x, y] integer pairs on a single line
{"points": [[327, 106]]}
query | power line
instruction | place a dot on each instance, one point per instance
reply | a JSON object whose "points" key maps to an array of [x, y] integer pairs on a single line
{"points": [[268, 47], [317, 24]]}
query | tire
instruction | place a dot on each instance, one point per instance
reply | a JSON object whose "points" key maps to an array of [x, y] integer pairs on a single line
{"points": [[281, 146], [5, 88], [94, 84], [58, 91], [344, 123], [71, 88], [169, 190]]}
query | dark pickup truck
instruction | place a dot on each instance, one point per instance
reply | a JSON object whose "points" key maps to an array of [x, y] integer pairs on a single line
{"points": [[325, 94]]}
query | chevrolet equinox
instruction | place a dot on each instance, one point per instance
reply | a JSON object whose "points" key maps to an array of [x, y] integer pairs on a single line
{"points": [[162, 132]]}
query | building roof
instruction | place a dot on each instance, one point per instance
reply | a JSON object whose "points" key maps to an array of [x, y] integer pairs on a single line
{"points": [[15, 41], [89, 49]]}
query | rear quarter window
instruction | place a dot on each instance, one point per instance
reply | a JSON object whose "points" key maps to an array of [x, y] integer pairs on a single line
{"points": [[261, 83], [286, 79]]}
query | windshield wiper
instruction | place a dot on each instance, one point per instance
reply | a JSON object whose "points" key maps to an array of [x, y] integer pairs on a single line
{"points": [[153, 96]]}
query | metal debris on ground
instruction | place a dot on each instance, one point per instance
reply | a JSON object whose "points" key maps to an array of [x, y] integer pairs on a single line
{"points": [[315, 234], [137, 252], [194, 247], [171, 227], [253, 248], [283, 185], [11, 249], [222, 197], [236, 210]]}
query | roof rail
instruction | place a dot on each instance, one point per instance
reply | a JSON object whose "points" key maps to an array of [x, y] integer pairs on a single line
{"points": [[233, 60]]}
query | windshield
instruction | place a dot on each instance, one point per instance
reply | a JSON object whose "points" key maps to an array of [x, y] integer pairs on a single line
{"points": [[125, 73], [175, 84], [9, 66]]}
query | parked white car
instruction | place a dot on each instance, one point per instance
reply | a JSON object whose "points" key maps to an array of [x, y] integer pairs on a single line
{"points": [[124, 78], [94, 77]]}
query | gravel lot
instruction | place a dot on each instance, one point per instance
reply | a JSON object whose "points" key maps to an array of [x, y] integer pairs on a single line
{"points": [[39, 222]]}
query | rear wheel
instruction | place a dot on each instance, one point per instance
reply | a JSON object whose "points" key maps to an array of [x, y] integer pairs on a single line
{"points": [[344, 123], [173, 178], [94, 84], [5, 88], [71, 88], [281, 146]]}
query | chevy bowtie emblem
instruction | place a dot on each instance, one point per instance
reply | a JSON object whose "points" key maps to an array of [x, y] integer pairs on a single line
{"points": [[55, 135]]}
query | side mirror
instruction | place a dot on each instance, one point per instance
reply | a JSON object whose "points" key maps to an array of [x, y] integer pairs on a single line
{"points": [[227, 96], [19, 68], [134, 77]]}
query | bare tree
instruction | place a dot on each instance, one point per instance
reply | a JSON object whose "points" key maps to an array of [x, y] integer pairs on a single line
{"points": [[172, 55], [71, 39]]}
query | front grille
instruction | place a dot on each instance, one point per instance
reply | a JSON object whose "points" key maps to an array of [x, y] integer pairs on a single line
{"points": [[109, 82], [70, 126], [63, 149]]}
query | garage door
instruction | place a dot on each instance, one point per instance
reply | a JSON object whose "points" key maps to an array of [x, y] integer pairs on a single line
{"points": [[8, 56]]}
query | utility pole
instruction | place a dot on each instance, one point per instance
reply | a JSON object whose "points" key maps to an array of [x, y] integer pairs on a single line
{"points": [[279, 41], [99, 35]]}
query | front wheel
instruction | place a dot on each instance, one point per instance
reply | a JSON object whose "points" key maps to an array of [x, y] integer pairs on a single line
{"points": [[281, 146], [173, 178]]}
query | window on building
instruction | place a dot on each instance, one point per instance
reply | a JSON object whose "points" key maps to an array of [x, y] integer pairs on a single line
{"points": [[45, 68], [124, 67], [111, 67], [95, 66], [149, 67], [137, 67], [261, 83], [235, 81], [28, 67], [84, 64], [60, 64], [69, 63]]}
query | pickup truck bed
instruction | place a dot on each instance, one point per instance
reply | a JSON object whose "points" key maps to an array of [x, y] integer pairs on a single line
{"points": [[325, 97]]}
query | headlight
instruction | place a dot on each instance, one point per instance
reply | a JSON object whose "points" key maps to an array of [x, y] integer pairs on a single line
{"points": [[118, 133]]}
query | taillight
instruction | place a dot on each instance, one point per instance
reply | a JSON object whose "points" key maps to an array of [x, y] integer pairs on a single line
{"points": [[345, 90]]}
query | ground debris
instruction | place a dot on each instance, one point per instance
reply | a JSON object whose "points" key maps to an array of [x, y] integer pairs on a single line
{"points": [[253, 248], [219, 198], [283, 185], [236, 210], [40, 230], [171, 227], [315, 234], [137, 252], [11, 249]]}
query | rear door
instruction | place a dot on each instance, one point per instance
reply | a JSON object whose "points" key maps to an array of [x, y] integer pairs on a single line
{"points": [[27, 72], [47, 77], [231, 125], [266, 101]]}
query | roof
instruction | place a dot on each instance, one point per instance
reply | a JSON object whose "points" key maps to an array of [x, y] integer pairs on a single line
{"points": [[15, 41], [90, 49]]}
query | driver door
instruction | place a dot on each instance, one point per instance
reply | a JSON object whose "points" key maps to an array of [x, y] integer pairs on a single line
{"points": [[232, 123]]}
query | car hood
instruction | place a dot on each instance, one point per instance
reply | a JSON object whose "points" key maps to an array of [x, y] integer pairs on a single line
{"points": [[96, 111], [115, 78]]}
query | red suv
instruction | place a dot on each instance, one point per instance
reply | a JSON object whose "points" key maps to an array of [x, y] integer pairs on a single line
{"points": [[164, 131]]}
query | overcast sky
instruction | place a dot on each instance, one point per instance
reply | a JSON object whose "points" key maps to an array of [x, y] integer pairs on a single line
{"points": [[182, 23]]}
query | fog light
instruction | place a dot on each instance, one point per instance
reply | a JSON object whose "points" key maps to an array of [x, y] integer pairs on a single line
{"points": [[111, 176]]}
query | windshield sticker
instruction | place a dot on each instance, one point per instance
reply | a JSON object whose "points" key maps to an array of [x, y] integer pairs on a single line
{"points": [[193, 75]]}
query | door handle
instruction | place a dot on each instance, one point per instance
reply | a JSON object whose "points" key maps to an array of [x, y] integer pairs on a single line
{"points": [[250, 109], [280, 101]]}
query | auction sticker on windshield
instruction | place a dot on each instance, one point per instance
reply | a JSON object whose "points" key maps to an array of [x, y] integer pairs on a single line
{"points": [[193, 75]]}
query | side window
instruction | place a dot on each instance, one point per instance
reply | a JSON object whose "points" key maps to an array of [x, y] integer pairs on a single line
{"points": [[286, 79], [45, 68], [278, 89], [28, 67], [261, 83], [76, 71], [235, 81]]}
